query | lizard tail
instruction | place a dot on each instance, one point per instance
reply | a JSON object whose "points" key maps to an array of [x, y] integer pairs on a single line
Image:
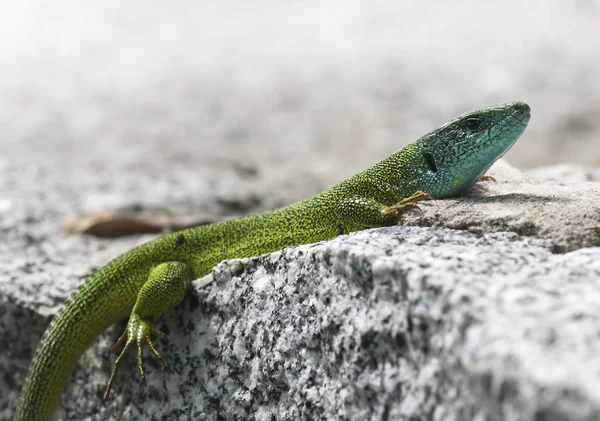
{"points": [[71, 331]]}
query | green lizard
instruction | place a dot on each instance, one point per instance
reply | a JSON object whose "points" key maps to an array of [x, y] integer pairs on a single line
{"points": [[145, 281]]}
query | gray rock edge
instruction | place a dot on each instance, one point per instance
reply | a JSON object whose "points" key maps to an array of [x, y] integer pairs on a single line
{"points": [[515, 343]]}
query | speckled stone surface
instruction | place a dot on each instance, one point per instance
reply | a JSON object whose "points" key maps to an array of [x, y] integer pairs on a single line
{"points": [[403, 322], [396, 323], [229, 108]]}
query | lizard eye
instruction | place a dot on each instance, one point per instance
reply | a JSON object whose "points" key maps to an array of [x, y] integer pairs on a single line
{"points": [[473, 123], [430, 161]]}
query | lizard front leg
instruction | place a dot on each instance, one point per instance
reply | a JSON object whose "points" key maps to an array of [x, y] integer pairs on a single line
{"points": [[166, 286], [359, 213]]}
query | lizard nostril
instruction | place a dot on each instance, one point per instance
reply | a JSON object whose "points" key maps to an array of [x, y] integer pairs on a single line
{"points": [[521, 107]]}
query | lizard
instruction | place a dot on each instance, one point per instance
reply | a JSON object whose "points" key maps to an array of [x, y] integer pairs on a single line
{"points": [[144, 282]]}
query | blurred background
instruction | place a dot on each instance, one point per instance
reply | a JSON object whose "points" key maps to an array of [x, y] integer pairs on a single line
{"points": [[292, 93]]}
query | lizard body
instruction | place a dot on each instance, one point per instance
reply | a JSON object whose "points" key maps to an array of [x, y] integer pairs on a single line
{"points": [[145, 281]]}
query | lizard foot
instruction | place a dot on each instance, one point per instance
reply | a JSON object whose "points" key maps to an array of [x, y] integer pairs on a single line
{"points": [[487, 178], [138, 332], [165, 287], [407, 203]]}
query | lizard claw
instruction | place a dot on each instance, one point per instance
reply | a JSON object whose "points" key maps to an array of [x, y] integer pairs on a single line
{"points": [[417, 208], [162, 335], [408, 203], [487, 178], [138, 332], [118, 363], [166, 286]]}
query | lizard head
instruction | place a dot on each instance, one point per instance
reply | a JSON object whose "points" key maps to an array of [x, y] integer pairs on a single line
{"points": [[458, 153]]}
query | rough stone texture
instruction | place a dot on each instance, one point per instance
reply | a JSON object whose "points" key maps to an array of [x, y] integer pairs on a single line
{"points": [[396, 323], [565, 212], [405, 322], [226, 108]]}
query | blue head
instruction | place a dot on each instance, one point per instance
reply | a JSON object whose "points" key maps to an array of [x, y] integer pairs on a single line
{"points": [[457, 154]]}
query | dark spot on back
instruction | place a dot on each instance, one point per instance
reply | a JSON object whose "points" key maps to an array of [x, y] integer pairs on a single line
{"points": [[180, 240]]}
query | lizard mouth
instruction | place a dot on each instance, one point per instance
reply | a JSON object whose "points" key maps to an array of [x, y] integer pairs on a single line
{"points": [[516, 122], [521, 112]]}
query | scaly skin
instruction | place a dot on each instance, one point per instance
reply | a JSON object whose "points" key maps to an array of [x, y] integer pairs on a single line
{"points": [[145, 281]]}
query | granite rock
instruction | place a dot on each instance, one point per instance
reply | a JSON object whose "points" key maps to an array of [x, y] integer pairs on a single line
{"points": [[396, 323]]}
